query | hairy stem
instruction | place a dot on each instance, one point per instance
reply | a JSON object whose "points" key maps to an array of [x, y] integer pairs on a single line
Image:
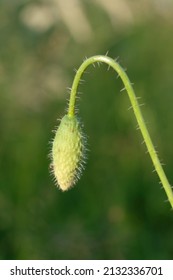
{"points": [[136, 109]]}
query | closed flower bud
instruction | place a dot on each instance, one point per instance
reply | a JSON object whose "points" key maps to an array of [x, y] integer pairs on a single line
{"points": [[68, 152]]}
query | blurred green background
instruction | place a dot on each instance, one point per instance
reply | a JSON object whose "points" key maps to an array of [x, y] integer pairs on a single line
{"points": [[117, 210]]}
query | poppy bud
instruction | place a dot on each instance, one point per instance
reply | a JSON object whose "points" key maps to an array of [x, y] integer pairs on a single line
{"points": [[68, 152]]}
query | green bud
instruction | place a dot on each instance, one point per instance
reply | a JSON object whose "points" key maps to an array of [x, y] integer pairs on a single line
{"points": [[68, 152]]}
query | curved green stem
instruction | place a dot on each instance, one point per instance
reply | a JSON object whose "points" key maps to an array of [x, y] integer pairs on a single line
{"points": [[136, 109]]}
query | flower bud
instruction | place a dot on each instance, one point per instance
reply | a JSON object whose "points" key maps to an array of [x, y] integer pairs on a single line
{"points": [[68, 152]]}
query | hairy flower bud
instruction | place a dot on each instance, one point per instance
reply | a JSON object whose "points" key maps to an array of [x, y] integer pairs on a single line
{"points": [[68, 152]]}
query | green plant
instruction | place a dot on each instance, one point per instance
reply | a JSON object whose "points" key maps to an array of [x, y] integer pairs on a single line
{"points": [[68, 145]]}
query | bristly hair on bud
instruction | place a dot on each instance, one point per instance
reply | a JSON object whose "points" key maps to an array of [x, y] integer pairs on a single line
{"points": [[68, 152]]}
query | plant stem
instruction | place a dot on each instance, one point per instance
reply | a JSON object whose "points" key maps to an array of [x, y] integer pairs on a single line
{"points": [[136, 109]]}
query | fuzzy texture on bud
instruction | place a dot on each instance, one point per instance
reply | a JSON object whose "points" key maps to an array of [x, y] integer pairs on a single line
{"points": [[68, 152]]}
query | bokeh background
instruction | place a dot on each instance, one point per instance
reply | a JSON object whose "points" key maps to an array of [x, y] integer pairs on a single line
{"points": [[117, 210]]}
